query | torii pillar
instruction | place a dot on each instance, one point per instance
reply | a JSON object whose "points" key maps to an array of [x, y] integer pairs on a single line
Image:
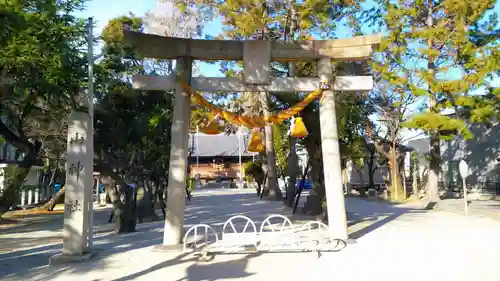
{"points": [[177, 173], [256, 56]]}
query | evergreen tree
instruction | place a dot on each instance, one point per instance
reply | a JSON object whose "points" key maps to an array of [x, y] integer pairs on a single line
{"points": [[42, 69], [292, 20], [442, 51]]}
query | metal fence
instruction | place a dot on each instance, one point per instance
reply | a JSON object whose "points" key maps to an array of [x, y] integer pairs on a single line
{"points": [[275, 234]]}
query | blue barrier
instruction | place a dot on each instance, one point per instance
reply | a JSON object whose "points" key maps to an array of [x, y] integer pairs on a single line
{"points": [[305, 185]]}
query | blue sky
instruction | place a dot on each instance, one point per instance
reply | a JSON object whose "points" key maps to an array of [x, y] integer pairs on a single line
{"points": [[104, 10]]}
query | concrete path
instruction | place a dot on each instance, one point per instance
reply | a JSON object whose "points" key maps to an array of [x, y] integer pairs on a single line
{"points": [[394, 243], [478, 208], [38, 230]]}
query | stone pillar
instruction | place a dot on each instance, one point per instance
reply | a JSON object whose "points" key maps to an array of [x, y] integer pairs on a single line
{"points": [[177, 173], [337, 221], [77, 232]]}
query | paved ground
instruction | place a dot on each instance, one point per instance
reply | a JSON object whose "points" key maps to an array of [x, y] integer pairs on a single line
{"points": [[394, 243], [478, 208], [36, 230]]}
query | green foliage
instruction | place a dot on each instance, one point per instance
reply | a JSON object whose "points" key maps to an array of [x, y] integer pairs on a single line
{"points": [[112, 35], [281, 146], [292, 20], [191, 182], [42, 73], [246, 18], [40, 64], [447, 126], [445, 57], [132, 129], [254, 170]]}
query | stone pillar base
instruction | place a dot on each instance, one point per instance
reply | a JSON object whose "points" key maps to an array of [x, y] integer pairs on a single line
{"points": [[61, 259]]}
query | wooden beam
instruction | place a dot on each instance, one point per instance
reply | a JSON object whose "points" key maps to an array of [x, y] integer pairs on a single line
{"points": [[287, 84], [161, 47]]}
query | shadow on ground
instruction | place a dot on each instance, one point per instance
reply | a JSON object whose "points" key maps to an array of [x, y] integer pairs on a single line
{"points": [[365, 216], [211, 207]]}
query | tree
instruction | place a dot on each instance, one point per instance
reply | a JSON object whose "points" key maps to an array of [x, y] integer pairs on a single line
{"points": [[169, 19], [141, 119], [372, 161], [279, 20], [392, 105], [434, 53], [282, 149], [41, 72]]}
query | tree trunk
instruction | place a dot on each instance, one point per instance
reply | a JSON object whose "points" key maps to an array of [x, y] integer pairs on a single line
{"points": [[273, 191], [433, 173], [293, 168], [414, 182], [371, 183], [317, 176], [49, 205], [48, 191], [396, 191], [292, 171], [361, 189], [12, 188], [123, 211], [435, 153], [156, 184], [371, 172], [265, 169], [145, 205], [313, 204], [313, 146]]}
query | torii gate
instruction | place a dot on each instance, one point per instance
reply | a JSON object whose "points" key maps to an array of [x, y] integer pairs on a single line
{"points": [[257, 56]]}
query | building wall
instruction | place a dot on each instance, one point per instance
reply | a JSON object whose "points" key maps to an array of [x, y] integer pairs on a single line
{"points": [[207, 170], [7, 165], [32, 179], [7, 152], [482, 153], [380, 174]]}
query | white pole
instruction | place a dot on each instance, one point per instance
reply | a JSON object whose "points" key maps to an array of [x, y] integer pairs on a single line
{"points": [[90, 58], [197, 148], [239, 153], [466, 205], [464, 180]]}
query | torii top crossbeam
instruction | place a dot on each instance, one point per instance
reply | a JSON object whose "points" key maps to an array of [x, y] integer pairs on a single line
{"points": [[161, 47], [257, 56]]}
